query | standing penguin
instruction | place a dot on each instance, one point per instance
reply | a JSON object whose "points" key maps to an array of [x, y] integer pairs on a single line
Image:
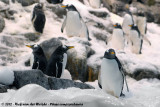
{"points": [[118, 41], [136, 40], [128, 20], [38, 18], [95, 3], [39, 58], [111, 77], [141, 22], [55, 1], [74, 23], [57, 61]]}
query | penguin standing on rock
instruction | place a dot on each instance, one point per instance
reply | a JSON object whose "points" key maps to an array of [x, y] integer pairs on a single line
{"points": [[95, 3], [55, 1], [136, 40], [57, 61], [74, 23], [39, 60], [118, 41], [38, 18], [111, 77]]}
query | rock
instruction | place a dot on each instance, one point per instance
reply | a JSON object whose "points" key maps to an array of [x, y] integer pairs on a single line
{"points": [[100, 14], [100, 36], [5, 1], [114, 6], [37, 77], [144, 73], [30, 77], [31, 36], [49, 46], [2, 24], [12, 41], [3, 88], [57, 84], [58, 10], [27, 2], [77, 59], [93, 73]]}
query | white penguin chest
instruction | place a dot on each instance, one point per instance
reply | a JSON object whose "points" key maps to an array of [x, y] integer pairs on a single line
{"points": [[73, 24], [64, 61], [111, 77], [128, 20], [118, 39]]}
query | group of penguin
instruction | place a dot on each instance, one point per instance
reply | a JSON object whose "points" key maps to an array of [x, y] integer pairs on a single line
{"points": [[133, 31], [111, 76]]}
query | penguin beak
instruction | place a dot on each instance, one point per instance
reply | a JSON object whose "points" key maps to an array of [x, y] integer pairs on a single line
{"points": [[64, 6], [114, 25], [112, 53], [70, 47], [130, 25], [30, 46]]}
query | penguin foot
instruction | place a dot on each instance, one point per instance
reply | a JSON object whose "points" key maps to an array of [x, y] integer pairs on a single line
{"points": [[122, 95]]}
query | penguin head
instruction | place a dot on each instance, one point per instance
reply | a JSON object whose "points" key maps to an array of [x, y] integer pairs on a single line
{"points": [[134, 27], [110, 54], [36, 48], [117, 25], [55, 1], [63, 49], [39, 6], [69, 7]]}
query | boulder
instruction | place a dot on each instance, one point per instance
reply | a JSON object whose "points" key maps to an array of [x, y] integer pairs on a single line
{"points": [[5, 1], [2, 24], [139, 74], [12, 41], [27, 2], [32, 36], [23, 78], [59, 11], [3, 88], [77, 59], [101, 14], [49, 46]]}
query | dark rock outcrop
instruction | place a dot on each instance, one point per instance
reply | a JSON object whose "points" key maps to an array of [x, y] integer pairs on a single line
{"points": [[100, 14], [2, 24], [27, 2], [49, 46], [32, 36], [3, 88], [37, 77], [5, 1], [144, 74]]}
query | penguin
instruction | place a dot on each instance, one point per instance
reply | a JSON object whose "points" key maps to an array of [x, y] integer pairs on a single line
{"points": [[95, 3], [118, 40], [111, 77], [55, 1], [39, 58], [38, 18], [74, 23], [57, 61], [128, 20], [136, 39], [141, 22]]}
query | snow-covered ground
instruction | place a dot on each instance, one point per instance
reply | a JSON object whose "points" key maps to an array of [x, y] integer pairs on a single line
{"points": [[143, 93]]}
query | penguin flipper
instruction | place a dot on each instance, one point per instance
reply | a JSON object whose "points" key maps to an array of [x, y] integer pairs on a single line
{"points": [[64, 24], [35, 64], [99, 85], [60, 66]]}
